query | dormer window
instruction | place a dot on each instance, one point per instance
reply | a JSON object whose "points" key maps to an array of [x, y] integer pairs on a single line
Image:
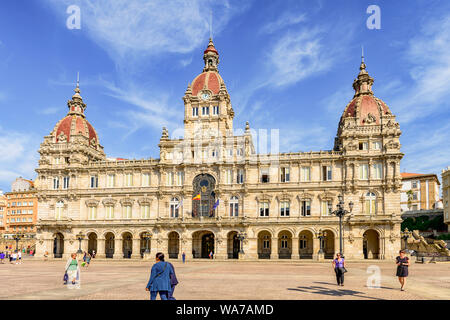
{"points": [[195, 111]]}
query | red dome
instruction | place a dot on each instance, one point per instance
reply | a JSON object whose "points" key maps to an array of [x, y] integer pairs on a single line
{"points": [[368, 108], [74, 125], [209, 80]]}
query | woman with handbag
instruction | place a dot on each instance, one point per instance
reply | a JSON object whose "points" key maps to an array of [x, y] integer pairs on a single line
{"points": [[402, 262], [339, 269], [73, 272], [160, 278]]}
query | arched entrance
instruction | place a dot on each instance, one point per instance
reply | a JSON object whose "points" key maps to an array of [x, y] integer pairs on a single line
{"points": [[284, 245], [127, 245], [109, 244], [202, 244], [174, 245], [328, 244], [58, 245], [371, 244], [264, 245], [233, 245], [144, 244], [204, 186], [92, 242], [305, 245]]}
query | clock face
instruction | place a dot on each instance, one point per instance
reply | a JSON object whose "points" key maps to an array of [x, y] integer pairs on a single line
{"points": [[205, 96]]}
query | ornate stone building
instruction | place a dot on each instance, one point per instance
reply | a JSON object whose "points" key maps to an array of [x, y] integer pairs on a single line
{"points": [[279, 202]]}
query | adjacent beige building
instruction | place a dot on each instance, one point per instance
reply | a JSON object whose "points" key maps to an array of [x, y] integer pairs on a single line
{"points": [[446, 194], [279, 202], [420, 192]]}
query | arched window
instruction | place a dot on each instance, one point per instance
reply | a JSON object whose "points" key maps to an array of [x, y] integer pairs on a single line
{"points": [[204, 196], [370, 203], [234, 206], [266, 242], [284, 241], [59, 210], [174, 207], [303, 242]]}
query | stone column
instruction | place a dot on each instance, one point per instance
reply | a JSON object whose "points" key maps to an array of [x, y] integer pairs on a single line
{"points": [[118, 248], [100, 248], [135, 248], [186, 246], [295, 253], [316, 248], [153, 248], [274, 249], [220, 250], [251, 248]]}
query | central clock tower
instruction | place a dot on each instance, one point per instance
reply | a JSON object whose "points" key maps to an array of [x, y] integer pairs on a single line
{"points": [[207, 107]]}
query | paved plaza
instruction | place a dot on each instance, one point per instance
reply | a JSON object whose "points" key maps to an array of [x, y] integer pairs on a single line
{"points": [[210, 280]]}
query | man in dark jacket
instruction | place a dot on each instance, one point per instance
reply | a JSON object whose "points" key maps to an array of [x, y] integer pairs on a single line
{"points": [[173, 282], [160, 278]]}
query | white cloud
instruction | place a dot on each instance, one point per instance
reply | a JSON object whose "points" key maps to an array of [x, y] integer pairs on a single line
{"points": [[19, 156], [286, 19], [430, 71], [140, 27], [49, 110]]}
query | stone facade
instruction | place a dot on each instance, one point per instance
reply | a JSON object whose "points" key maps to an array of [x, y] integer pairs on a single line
{"points": [[419, 192], [446, 194], [278, 202]]}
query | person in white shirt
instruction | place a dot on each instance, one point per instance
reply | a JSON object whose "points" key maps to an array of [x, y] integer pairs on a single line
{"points": [[19, 258], [14, 257]]}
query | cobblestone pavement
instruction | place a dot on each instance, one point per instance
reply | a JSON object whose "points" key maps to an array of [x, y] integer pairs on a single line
{"points": [[210, 280]]}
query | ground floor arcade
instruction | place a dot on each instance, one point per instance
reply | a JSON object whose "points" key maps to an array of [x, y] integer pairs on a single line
{"points": [[223, 243]]}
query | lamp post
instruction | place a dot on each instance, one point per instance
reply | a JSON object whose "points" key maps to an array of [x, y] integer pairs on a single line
{"points": [[340, 212], [80, 237], [320, 235], [147, 236], [17, 237], [405, 235], [241, 236]]}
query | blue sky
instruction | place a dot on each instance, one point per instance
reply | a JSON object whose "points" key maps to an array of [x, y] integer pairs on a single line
{"points": [[288, 65]]}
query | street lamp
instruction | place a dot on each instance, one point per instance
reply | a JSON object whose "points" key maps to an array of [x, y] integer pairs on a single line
{"points": [[340, 212], [80, 237], [321, 235], [17, 237], [147, 236], [405, 235], [241, 236]]}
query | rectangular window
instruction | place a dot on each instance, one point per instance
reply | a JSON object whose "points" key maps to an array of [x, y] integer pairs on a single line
{"points": [[377, 145], [266, 244], [284, 175], [195, 111], [363, 171], [55, 186], [284, 208], [239, 152], [326, 173], [414, 196], [325, 210], [145, 179], [174, 210], [127, 212], [169, 178], [92, 213], [240, 176], [110, 180], [234, 209], [128, 180], [306, 174], [180, 178], [265, 175], [378, 171], [414, 184], [205, 111], [94, 182], [264, 209], [109, 212], [229, 176], [363, 146], [306, 208], [145, 212], [66, 182], [215, 110]]}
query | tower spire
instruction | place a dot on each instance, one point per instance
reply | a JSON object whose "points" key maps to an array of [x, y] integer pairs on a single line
{"points": [[76, 105], [211, 57], [363, 83]]}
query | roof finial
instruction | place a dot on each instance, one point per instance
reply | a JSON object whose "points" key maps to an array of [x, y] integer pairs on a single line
{"points": [[210, 24], [362, 54], [78, 79]]}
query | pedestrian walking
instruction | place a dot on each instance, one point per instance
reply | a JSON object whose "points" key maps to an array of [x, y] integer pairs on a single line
{"points": [[88, 259], [73, 272], [159, 281], [46, 256], [183, 256], [339, 269], [173, 282], [93, 254], [2, 257], [14, 257], [402, 262], [211, 255], [19, 257]]}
